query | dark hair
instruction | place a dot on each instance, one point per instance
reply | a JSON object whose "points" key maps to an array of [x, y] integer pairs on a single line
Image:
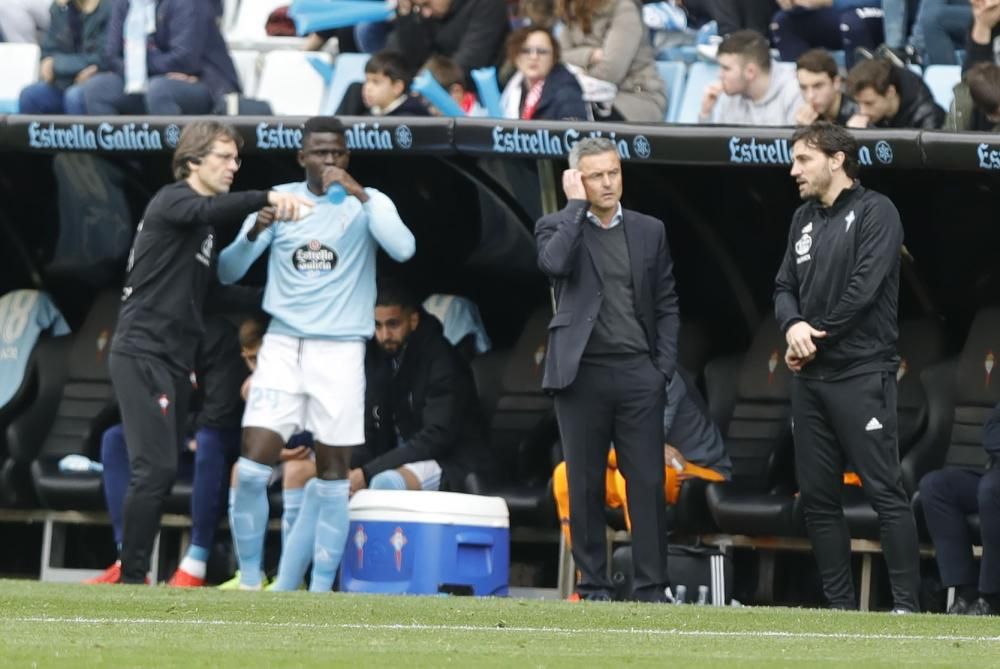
{"points": [[196, 142], [830, 139], [749, 44], [251, 333], [983, 80], [876, 74], [391, 64], [517, 39], [818, 61], [394, 293], [446, 71], [580, 12], [321, 124]]}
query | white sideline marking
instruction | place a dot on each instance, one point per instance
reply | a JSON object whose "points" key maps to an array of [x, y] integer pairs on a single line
{"points": [[483, 628]]}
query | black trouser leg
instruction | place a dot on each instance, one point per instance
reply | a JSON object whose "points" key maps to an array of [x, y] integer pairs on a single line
{"points": [[585, 412], [948, 496], [863, 412], [819, 467], [153, 406], [988, 496]]}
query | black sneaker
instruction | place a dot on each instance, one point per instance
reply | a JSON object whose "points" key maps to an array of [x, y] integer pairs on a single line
{"points": [[980, 607], [654, 595], [959, 607]]}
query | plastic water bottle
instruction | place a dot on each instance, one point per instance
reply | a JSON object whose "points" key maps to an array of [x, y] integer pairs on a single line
{"points": [[79, 463], [702, 595], [336, 193], [681, 595]]}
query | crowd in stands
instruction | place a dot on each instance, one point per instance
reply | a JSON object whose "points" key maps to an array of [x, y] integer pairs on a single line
{"points": [[553, 59]]}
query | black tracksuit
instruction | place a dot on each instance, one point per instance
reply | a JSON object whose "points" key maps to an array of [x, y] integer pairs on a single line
{"points": [[153, 350], [840, 274], [429, 404]]}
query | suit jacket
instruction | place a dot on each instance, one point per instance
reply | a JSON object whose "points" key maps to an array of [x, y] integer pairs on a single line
{"points": [[564, 257]]}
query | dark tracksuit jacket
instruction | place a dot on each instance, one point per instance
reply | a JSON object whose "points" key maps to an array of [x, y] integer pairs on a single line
{"points": [[428, 409]]}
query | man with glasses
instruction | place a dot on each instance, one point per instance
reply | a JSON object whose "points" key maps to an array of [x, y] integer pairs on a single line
{"points": [[161, 323], [320, 294]]}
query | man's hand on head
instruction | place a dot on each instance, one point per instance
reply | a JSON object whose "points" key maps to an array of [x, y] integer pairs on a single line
{"points": [[572, 182]]}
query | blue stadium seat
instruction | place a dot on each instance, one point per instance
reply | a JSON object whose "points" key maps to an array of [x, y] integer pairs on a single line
{"points": [[941, 79], [673, 75], [699, 76], [348, 68]]}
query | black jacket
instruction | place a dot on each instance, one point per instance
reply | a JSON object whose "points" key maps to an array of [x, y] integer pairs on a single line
{"points": [[430, 401], [472, 34], [917, 108], [563, 256], [74, 40], [982, 53], [562, 97], [840, 274]]}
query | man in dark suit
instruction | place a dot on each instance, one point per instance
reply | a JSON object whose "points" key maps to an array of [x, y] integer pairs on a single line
{"points": [[612, 350]]}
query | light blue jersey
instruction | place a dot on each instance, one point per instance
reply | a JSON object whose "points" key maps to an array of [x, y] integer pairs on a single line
{"points": [[321, 271], [24, 315]]}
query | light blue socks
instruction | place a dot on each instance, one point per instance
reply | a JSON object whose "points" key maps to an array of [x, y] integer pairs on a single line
{"points": [[291, 504], [390, 479], [331, 533], [248, 518]]}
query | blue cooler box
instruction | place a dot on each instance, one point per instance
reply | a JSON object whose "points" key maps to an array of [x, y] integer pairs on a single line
{"points": [[424, 543]]}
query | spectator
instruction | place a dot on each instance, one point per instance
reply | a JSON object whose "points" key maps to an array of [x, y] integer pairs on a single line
{"points": [[832, 24], [423, 429], [693, 449], [976, 105], [983, 43], [750, 90], [540, 13], [541, 88], [451, 77], [71, 53], [24, 20], [941, 27], [470, 32], [184, 68], [386, 91], [206, 453], [822, 90], [890, 96], [948, 496], [734, 15], [608, 40]]}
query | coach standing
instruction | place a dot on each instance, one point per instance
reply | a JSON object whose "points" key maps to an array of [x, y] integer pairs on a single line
{"points": [[835, 299], [160, 323], [612, 350]]}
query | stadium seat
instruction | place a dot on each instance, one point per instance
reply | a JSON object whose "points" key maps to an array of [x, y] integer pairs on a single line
{"points": [[941, 79], [673, 74], [18, 68], [348, 68], [85, 407], [291, 84], [966, 393], [758, 501], [522, 426], [699, 76], [229, 10], [921, 344], [248, 27], [247, 62]]}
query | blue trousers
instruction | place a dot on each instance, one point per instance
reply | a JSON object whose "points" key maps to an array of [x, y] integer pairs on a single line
{"points": [[793, 33], [44, 98], [948, 496], [943, 25], [105, 96]]}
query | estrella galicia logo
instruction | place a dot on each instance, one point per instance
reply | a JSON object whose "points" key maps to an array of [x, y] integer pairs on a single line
{"points": [[641, 146], [314, 258], [404, 137], [883, 151], [171, 135]]}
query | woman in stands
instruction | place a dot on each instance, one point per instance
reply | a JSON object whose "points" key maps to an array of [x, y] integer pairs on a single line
{"points": [[541, 87], [607, 39]]}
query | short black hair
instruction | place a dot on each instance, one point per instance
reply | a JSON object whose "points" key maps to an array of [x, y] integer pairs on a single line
{"points": [[751, 45], [321, 124], [830, 139], [876, 74], [392, 64], [394, 293], [818, 61]]}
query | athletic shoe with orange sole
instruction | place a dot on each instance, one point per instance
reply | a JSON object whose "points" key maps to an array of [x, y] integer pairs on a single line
{"points": [[110, 575], [182, 579]]}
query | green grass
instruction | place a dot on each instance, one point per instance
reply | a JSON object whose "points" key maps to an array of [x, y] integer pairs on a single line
{"points": [[49, 625]]}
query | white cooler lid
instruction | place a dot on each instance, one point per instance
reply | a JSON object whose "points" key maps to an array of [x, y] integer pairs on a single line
{"points": [[418, 506]]}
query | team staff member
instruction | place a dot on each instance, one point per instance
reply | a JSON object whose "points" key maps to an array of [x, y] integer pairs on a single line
{"points": [[835, 298], [612, 351], [160, 323], [310, 372]]}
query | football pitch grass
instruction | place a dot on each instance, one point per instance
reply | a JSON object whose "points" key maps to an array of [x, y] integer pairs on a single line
{"points": [[53, 625]]}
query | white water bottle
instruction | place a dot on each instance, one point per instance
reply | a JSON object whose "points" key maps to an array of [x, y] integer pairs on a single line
{"points": [[79, 463], [702, 595]]}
